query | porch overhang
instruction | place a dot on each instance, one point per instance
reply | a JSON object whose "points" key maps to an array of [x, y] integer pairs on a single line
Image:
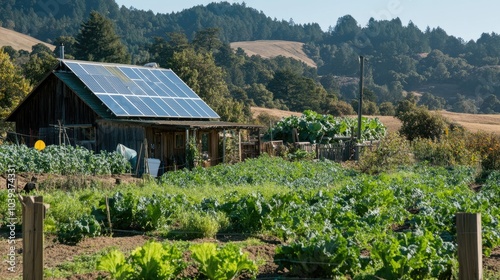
{"points": [[179, 124]]}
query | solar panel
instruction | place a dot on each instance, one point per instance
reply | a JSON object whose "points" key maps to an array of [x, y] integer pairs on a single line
{"points": [[135, 91]]}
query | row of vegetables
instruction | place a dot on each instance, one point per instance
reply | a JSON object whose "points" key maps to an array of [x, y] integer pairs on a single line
{"points": [[331, 221]]}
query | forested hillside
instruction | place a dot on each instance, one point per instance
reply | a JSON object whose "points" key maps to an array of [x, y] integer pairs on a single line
{"points": [[444, 71]]}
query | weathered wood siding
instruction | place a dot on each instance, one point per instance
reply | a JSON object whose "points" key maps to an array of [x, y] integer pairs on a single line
{"points": [[110, 134], [52, 101]]}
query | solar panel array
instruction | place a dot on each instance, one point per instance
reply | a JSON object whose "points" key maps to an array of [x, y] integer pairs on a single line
{"points": [[134, 91]]}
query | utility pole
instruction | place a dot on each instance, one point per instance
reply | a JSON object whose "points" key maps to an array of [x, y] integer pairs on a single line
{"points": [[360, 103]]}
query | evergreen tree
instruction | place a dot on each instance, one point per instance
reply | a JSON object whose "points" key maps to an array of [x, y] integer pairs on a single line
{"points": [[198, 70], [162, 50], [98, 41], [298, 93]]}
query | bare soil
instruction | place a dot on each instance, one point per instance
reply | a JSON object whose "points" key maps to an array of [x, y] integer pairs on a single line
{"points": [[18, 40], [56, 254], [273, 48]]}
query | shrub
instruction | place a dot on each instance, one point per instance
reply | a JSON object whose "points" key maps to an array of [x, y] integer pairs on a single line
{"points": [[421, 123], [451, 150], [392, 152], [387, 109], [488, 146]]}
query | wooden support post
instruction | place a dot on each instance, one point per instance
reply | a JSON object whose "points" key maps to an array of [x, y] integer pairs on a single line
{"points": [[186, 149], [33, 216], [470, 255], [239, 146], [224, 146], [146, 156]]}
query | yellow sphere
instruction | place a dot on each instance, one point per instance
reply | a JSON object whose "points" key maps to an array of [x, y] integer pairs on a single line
{"points": [[39, 145]]}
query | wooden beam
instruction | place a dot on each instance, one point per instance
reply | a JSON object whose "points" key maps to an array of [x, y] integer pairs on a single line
{"points": [[33, 216], [239, 145], [470, 255]]}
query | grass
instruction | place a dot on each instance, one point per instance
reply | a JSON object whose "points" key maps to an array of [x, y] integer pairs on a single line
{"points": [[81, 264]]}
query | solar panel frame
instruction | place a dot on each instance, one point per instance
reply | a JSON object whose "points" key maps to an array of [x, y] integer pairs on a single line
{"points": [[141, 106], [188, 107], [179, 84], [105, 84], [145, 88], [135, 91], [129, 72], [127, 105], [112, 104], [206, 108]]}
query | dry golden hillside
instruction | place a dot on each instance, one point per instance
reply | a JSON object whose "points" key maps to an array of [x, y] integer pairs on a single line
{"points": [[18, 40], [273, 48], [472, 122]]}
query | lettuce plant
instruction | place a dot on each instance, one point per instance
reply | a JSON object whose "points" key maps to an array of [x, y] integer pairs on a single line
{"points": [[151, 261], [221, 263]]}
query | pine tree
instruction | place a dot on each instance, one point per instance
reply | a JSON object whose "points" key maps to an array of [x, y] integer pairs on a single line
{"points": [[199, 71], [98, 41]]}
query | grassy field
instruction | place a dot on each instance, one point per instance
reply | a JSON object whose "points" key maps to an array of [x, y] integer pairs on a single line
{"points": [[272, 48], [472, 122], [18, 40]]}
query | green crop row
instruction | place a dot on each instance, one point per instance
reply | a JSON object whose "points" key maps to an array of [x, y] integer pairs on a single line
{"points": [[164, 261], [63, 160], [332, 221], [316, 128]]}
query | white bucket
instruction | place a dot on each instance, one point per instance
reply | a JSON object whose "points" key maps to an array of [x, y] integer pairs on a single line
{"points": [[154, 165]]}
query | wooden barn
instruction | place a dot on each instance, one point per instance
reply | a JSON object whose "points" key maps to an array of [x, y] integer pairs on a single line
{"points": [[148, 109]]}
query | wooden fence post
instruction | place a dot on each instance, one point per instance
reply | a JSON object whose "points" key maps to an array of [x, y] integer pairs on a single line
{"points": [[470, 255], [33, 216]]}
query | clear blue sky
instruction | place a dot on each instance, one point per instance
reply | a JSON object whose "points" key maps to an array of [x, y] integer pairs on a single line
{"points": [[461, 18]]}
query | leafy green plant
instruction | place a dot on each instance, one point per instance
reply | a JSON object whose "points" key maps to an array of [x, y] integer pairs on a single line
{"points": [[74, 231], [151, 261], [115, 263], [321, 256], [224, 263], [62, 159], [413, 255], [79, 264], [247, 213], [193, 224], [316, 128]]}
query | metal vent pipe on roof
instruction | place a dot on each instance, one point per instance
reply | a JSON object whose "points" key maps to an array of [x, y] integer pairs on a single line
{"points": [[61, 51]]}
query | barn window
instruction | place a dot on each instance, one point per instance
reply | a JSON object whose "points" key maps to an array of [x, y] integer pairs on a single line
{"points": [[179, 140], [205, 142]]}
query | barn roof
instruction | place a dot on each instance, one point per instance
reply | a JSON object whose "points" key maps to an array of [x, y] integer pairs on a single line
{"points": [[130, 91], [118, 91]]}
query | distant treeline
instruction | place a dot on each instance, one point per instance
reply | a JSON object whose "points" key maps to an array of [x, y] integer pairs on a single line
{"points": [[447, 72]]}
